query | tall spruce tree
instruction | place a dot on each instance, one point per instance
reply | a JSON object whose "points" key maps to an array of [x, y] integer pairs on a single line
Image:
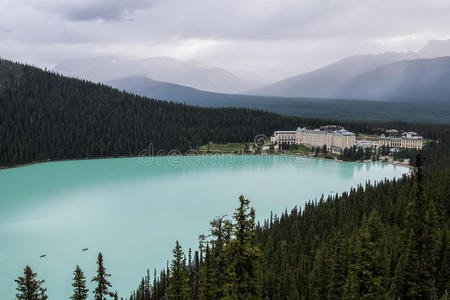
{"points": [[208, 285], [320, 274], [221, 230], [244, 254], [147, 286], [29, 287], [367, 278], [442, 262], [337, 268], [80, 292], [195, 291], [178, 285], [101, 291], [414, 275]]}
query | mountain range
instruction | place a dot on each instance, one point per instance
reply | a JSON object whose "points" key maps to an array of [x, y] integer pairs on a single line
{"points": [[437, 112], [408, 80], [346, 78], [188, 73], [420, 76]]}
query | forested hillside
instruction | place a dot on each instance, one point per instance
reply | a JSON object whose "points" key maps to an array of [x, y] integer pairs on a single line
{"points": [[431, 111], [47, 116]]}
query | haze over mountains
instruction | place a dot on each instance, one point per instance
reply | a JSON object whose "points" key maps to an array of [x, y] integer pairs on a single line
{"points": [[394, 76], [410, 80], [189, 73], [364, 77]]}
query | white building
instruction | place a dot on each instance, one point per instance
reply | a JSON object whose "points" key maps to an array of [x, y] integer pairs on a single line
{"points": [[410, 140], [367, 144], [334, 140]]}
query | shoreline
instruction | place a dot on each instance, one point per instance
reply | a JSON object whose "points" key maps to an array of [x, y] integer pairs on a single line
{"points": [[391, 162], [61, 160]]}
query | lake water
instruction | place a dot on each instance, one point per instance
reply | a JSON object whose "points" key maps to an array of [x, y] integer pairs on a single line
{"points": [[133, 210]]}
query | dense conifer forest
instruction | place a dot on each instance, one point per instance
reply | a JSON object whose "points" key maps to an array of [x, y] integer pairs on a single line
{"points": [[47, 116], [388, 240]]}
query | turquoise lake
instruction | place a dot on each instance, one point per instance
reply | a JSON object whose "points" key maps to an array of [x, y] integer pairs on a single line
{"points": [[133, 210]]}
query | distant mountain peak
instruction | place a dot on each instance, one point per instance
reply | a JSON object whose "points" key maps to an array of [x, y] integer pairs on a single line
{"points": [[329, 81], [192, 73], [435, 48]]}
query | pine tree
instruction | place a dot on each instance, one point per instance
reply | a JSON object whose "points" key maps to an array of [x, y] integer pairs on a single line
{"points": [[178, 284], [442, 261], [147, 286], [367, 278], [101, 291], [337, 269], [80, 292], [351, 287], [208, 288], [197, 275], [288, 287], [141, 290], [29, 288], [221, 231], [320, 274], [414, 278], [243, 253]]}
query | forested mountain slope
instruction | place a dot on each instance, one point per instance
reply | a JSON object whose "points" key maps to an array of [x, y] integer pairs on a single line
{"points": [[305, 107], [48, 116]]}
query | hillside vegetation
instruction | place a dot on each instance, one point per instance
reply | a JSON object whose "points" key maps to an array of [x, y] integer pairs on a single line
{"points": [[48, 116], [429, 111]]}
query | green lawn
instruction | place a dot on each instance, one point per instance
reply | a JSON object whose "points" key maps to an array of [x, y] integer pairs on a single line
{"points": [[224, 148], [297, 149], [368, 137]]}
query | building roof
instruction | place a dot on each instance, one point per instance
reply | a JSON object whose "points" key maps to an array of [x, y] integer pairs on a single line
{"points": [[400, 138], [344, 132], [337, 132], [285, 132], [311, 131], [366, 143]]}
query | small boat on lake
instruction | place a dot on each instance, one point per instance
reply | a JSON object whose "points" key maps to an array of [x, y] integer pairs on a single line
{"points": [[43, 255], [84, 249]]}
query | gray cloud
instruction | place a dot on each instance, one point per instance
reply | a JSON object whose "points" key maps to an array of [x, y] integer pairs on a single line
{"points": [[82, 10], [273, 38]]}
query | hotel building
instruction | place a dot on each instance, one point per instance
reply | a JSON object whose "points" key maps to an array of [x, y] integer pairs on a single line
{"points": [[336, 140], [409, 140]]}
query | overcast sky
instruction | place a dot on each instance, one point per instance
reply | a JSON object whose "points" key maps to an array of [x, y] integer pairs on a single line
{"points": [[275, 38]]}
